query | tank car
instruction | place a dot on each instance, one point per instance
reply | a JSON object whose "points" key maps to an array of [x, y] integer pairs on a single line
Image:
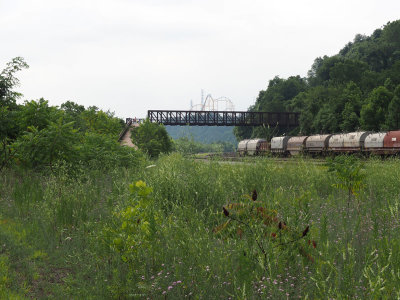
{"points": [[279, 145], [391, 142], [317, 144], [347, 142], [256, 146], [296, 144], [242, 147], [374, 143]]}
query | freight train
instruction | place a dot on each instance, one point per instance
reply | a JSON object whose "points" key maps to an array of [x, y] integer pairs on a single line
{"points": [[381, 143]]}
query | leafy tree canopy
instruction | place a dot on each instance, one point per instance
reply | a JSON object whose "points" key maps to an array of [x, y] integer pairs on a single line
{"points": [[152, 138]]}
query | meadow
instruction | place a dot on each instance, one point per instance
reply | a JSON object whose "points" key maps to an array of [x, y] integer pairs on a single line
{"points": [[177, 228]]}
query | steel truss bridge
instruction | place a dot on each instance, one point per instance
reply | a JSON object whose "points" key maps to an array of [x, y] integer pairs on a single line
{"points": [[224, 118]]}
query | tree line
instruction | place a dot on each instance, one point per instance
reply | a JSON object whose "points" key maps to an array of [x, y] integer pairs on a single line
{"points": [[356, 89], [36, 135]]}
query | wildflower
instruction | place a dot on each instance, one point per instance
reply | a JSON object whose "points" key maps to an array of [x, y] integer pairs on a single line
{"points": [[170, 287], [226, 212], [164, 292], [273, 235], [254, 195], [306, 231]]}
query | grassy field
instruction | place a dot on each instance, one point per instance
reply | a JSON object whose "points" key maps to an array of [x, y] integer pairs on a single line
{"points": [[161, 232]]}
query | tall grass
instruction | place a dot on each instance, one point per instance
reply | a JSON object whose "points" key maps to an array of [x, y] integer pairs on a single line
{"points": [[58, 232]]}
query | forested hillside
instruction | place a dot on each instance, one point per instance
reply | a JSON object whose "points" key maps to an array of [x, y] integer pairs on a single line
{"points": [[359, 88], [203, 134]]}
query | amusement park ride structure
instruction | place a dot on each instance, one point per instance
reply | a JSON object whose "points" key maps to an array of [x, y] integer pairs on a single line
{"points": [[211, 104]]}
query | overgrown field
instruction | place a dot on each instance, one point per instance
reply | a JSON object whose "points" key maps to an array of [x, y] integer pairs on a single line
{"points": [[179, 228]]}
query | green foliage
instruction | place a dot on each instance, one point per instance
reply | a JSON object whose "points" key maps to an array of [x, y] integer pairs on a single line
{"points": [[349, 171], [266, 236], [152, 138], [185, 145], [37, 135], [393, 115], [72, 236], [95, 120], [374, 112], [38, 148], [104, 152], [8, 81], [38, 114], [137, 222], [345, 92]]}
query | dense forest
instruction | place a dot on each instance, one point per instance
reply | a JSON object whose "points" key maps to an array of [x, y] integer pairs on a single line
{"points": [[359, 88]]}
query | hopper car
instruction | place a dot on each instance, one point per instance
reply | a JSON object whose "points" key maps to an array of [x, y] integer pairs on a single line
{"points": [[364, 142]]}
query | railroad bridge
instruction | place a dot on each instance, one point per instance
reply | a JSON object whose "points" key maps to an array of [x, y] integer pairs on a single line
{"points": [[224, 118]]}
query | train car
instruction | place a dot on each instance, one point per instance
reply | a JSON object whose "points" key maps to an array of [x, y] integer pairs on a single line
{"points": [[348, 142], [296, 144], [242, 147], [391, 142], [279, 144], [374, 143], [317, 143], [382, 143], [256, 146], [265, 147]]}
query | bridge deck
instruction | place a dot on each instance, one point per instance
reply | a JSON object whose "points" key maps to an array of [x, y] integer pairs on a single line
{"points": [[224, 118]]}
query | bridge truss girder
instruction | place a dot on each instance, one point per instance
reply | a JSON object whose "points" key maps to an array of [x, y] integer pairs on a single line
{"points": [[224, 118]]}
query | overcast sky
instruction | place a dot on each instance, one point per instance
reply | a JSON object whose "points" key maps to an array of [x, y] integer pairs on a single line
{"points": [[130, 56]]}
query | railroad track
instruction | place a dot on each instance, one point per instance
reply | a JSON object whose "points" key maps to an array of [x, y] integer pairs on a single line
{"points": [[233, 157]]}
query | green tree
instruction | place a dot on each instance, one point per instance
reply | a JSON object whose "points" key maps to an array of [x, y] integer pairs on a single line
{"points": [[9, 129], [8, 81], [98, 121], [101, 151], [351, 112], [37, 114], [41, 148], [393, 116], [374, 112], [326, 121], [152, 138]]}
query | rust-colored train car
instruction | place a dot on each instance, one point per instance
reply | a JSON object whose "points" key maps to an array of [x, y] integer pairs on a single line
{"points": [[391, 142], [296, 144], [257, 146], [317, 143]]}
